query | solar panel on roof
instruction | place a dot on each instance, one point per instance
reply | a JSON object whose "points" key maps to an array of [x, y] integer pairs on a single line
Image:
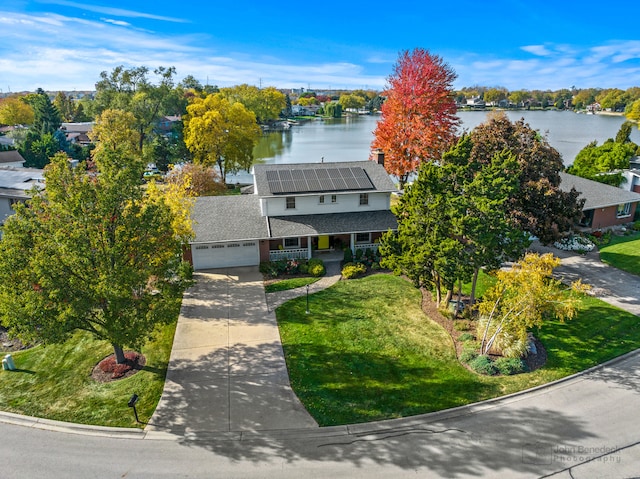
{"points": [[311, 180]]}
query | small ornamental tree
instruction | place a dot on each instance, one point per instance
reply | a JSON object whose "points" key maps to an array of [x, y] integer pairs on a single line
{"points": [[419, 117], [523, 297]]}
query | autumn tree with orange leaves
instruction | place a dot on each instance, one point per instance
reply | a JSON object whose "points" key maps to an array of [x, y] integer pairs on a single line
{"points": [[419, 117]]}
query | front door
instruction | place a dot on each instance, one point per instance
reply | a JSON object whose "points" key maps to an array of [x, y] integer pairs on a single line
{"points": [[323, 242]]}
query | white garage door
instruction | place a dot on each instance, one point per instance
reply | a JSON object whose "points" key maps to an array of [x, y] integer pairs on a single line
{"points": [[225, 255]]}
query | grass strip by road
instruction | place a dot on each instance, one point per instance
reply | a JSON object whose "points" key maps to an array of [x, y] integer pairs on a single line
{"points": [[623, 252], [54, 382], [367, 352], [289, 283]]}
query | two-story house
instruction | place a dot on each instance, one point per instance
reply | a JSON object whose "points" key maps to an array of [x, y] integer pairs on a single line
{"points": [[295, 211]]}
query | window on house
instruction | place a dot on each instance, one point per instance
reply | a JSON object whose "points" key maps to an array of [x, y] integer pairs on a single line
{"points": [[334, 198], [363, 237], [321, 199], [292, 242], [624, 210], [364, 199], [291, 202]]}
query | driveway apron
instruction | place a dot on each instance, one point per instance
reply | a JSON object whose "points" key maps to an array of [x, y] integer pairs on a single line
{"points": [[227, 370], [616, 287]]}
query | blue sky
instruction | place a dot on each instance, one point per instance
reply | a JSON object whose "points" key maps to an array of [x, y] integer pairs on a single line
{"points": [[64, 44]]}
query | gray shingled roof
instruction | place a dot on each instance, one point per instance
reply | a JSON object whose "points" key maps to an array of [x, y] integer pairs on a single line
{"points": [[11, 156], [332, 223], [228, 218], [15, 182], [377, 174], [597, 195]]}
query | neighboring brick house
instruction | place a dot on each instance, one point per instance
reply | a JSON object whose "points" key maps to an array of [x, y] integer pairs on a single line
{"points": [[295, 211], [605, 206]]}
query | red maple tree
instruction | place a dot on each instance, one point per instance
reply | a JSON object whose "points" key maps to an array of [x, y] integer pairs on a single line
{"points": [[419, 121]]}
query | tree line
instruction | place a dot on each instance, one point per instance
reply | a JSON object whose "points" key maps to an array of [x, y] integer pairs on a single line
{"points": [[613, 99]]}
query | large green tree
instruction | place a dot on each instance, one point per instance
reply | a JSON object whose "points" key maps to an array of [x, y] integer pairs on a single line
{"points": [[266, 103], [425, 246], [484, 189], [43, 139], [221, 133], [540, 207], [603, 163], [14, 110], [91, 252], [135, 91], [453, 220]]}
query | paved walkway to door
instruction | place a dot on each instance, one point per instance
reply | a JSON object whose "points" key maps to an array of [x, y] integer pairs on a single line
{"points": [[227, 371]]}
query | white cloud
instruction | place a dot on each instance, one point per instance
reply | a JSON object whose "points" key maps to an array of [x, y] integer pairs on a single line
{"points": [[53, 51], [116, 12], [539, 50], [120, 23]]}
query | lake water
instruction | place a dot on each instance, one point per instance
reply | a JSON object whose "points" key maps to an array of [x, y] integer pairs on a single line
{"points": [[349, 139]]}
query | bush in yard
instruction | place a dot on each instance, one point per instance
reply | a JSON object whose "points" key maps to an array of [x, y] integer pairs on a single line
{"points": [[359, 254], [293, 266], [509, 366], [316, 267], [268, 268], [350, 270], [348, 255], [466, 337], [469, 352], [483, 365], [375, 266], [303, 268]]}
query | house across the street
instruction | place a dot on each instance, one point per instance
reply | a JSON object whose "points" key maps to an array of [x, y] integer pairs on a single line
{"points": [[295, 211], [605, 206]]}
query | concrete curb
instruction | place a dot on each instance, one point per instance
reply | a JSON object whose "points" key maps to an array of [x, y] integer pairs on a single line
{"points": [[376, 427], [69, 427]]}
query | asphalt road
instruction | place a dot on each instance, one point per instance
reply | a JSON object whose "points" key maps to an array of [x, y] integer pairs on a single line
{"points": [[584, 427]]}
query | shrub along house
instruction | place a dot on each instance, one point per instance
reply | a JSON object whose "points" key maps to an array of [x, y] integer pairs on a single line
{"points": [[295, 211], [605, 206]]}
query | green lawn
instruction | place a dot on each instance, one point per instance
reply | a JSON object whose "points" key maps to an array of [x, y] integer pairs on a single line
{"points": [[367, 352], [54, 382], [623, 252], [289, 283]]}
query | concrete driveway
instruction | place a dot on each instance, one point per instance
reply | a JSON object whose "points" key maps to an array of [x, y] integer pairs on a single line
{"points": [[616, 287], [227, 370]]}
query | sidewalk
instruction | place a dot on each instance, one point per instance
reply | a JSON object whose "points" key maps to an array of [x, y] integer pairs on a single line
{"points": [[331, 277]]}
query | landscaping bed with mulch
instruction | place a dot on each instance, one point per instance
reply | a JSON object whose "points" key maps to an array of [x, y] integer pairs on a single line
{"points": [[534, 360], [108, 370]]}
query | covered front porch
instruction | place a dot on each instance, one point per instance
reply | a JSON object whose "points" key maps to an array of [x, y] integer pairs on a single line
{"points": [[326, 247], [308, 236]]}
